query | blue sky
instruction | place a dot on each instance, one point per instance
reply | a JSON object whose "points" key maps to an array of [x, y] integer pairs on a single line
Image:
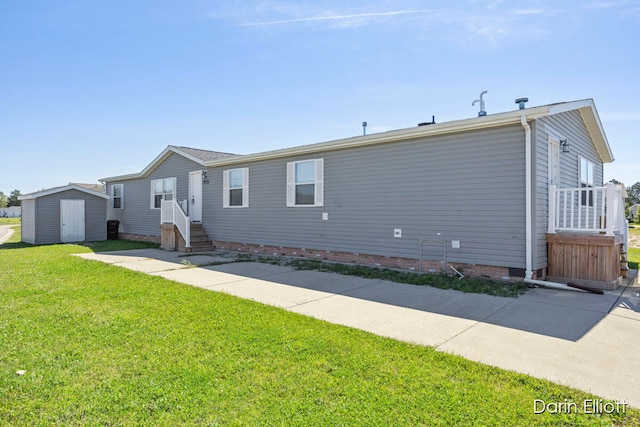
{"points": [[90, 89]]}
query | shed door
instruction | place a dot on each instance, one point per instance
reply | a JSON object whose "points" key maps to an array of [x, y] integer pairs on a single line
{"points": [[195, 196], [71, 220]]}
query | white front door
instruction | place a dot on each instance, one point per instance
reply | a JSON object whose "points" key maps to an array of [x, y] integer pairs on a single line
{"points": [[554, 161], [71, 220], [195, 196]]}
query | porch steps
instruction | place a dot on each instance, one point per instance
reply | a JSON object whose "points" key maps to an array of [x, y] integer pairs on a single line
{"points": [[200, 241]]}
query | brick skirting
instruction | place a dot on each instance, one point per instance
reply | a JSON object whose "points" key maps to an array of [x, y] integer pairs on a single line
{"points": [[428, 266], [139, 237], [410, 264]]}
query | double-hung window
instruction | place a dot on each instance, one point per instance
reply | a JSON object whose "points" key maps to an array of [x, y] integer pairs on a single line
{"points": [[305, 183], [235, 187], [117, 196], [586, 181], [162, 189]]}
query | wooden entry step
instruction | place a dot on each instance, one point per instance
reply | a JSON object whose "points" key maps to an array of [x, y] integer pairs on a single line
{"points": [[172, 240], [200, 241]]}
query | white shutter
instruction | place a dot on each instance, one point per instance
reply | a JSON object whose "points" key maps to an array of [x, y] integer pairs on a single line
{"points": [[291, 185], [225, 189], [319, 193], [245, 187]]}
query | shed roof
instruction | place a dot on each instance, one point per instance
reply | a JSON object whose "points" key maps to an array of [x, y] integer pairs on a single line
{"points": [[55, 190]]}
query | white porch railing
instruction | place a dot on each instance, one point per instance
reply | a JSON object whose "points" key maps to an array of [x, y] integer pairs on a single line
{"points": [[588, 209], [172, 213]]}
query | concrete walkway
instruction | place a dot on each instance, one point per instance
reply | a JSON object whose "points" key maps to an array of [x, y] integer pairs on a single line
{"points": [[6, 231], [582, 340]]}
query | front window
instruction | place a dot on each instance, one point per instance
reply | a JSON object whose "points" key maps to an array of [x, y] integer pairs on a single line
{"points": [[117, 196], [162, 189], [305, 183], [235, 188]]}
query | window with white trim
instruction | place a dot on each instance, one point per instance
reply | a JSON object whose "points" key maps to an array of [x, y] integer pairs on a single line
{"points": [[305, 183], [235, 187], [117, 196], [587, 180], [162, 189]]}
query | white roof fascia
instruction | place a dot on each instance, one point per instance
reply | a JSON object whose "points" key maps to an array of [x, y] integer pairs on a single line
{"points": [[55, 190], [154, 163], [591, 119], [570, 106], [594, 126], [475, 123]]}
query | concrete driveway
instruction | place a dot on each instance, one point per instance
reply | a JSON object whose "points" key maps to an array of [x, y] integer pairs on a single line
{"points": [[577, 339]]}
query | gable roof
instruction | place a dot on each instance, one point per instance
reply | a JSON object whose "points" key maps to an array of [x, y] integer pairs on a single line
{"points": [[202, 157], [55, 190], [585, 107]]}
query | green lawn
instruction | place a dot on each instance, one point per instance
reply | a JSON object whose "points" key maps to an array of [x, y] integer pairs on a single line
{"points": [[9, 221], [634, 253], [107, 346]]}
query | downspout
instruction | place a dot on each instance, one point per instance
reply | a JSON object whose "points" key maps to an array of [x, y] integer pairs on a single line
{"points": [[528, 277], [528, 193]]}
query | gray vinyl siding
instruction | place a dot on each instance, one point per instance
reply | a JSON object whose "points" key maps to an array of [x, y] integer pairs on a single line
{"points": [[137, 217], [28, 221], [42, 225], [567, 125], [466, 186]]}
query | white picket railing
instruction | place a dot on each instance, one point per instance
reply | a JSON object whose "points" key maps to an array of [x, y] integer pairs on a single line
{"points": [[172, 213], [588, 209]]}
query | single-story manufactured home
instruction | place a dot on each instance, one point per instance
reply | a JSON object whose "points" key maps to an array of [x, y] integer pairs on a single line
{"points": [[514, 195], [71, 213], [11, 212]]}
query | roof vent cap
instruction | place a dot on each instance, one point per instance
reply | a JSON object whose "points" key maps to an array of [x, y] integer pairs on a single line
{"points": [[521, 102]]}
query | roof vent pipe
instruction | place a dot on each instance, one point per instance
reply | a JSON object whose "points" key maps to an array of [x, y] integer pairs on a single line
{"points": [[432, 122], [482, 112], [521, 102]]}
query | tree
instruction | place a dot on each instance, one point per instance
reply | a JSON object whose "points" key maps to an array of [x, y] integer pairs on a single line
{"points": [[13, 198], [634, 194], [3, 200]]}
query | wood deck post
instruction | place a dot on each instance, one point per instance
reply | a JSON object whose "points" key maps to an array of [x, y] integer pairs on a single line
{"points": [[612, 208]]}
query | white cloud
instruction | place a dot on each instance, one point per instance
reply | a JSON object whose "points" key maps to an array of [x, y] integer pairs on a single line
{"points": [[529, 12], [488, 27], [605, 5], [356, 16]]}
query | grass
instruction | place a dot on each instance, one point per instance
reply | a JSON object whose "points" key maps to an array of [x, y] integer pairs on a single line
{"points": [[102, 345], [634, 253], [9, 221]]}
